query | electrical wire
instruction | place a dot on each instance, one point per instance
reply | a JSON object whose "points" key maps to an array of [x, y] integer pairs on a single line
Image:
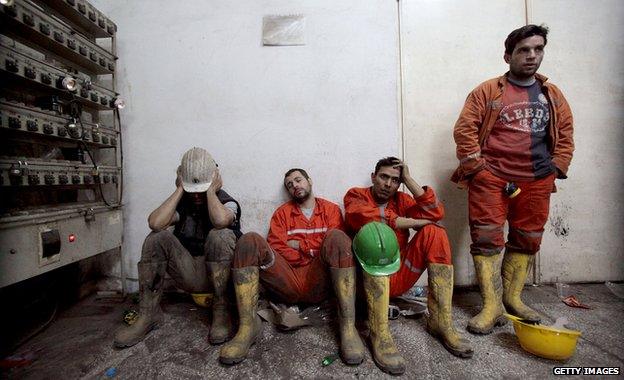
{"points": [[75, 112], [121, 176]]}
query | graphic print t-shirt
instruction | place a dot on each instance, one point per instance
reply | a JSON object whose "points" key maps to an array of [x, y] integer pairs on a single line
{"points": [[517, 147]]}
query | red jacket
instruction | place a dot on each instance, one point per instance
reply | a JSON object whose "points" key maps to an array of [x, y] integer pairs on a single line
{"points": [[361, 208], [479, 115], [289, 223]]}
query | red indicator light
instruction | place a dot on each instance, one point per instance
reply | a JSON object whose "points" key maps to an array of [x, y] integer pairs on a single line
{"points": [[72, 238]]}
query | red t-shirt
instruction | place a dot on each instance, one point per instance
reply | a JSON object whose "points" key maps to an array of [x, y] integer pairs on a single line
{"points": [[517, 147]]}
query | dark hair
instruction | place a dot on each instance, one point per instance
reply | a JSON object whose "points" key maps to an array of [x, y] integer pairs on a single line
{"points": [[525, 32], [387, 161], [291, 171]]}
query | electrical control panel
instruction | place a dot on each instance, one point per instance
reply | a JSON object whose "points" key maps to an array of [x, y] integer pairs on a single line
{"points": [[60, 136]]}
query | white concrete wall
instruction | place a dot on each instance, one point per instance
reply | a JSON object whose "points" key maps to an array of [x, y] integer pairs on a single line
{"points": [[450, 47], [195, 73], [585, 57]]}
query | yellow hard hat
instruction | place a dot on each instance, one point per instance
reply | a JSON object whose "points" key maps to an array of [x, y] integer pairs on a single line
{"points": [[545, 341], [202, 299]]}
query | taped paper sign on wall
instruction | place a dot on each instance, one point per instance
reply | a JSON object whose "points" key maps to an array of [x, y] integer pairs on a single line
{"points": [[283, 30]]}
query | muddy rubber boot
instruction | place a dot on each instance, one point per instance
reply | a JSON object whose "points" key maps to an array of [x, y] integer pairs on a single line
{"points": [[221, 327], [351, 346], [488, 273], [151, 280], [385, 353], [246, 286], [440, 322], [515, 270]]}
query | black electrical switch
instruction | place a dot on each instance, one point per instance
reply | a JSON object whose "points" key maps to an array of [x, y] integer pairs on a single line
{"points": [[33, 179], [58, 37], [44, 28], [30, 73], [46, 79], [15, 123], [28, 19], [11, 66]]}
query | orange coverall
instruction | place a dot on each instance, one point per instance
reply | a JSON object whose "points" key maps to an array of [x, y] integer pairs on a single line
{"points": [[429, 245], [292, 275]]}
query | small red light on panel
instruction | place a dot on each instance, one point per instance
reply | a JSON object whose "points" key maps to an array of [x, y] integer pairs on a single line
{"points": [[72, 238]]}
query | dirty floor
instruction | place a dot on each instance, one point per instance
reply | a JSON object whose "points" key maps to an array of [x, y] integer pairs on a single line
{"points": [[78, 344]]}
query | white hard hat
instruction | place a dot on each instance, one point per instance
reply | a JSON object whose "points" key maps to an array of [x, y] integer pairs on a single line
{"points": [[196, 170]]}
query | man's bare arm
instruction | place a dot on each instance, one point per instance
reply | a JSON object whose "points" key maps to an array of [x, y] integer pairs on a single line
{"points": [[162, 217], [220, 216], [404, 223]]}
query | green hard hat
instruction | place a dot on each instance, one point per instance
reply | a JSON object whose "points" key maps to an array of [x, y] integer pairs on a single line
{"points": [[377, 249]]}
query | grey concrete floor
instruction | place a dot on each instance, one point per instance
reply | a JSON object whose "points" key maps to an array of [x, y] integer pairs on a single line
{"points": [[78, 344]]}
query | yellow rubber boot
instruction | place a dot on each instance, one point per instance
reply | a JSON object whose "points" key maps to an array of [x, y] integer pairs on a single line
{"points": [[515, 270], [385, 353], [351, 346], [246, 286], [151, 280], [488, 270], [440, 323], [221, 327]]}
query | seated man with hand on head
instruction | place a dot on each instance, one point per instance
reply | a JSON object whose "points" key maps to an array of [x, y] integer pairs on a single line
{"points": [[306, 252], [197, 254], [428, 249]]}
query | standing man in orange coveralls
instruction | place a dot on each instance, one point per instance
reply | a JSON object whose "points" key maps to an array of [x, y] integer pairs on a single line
{"points": [[428, 249], [305, 253], [515, 132]]}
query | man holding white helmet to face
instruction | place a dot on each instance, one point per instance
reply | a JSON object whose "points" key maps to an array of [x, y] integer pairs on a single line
{"points": [[197, 254]]}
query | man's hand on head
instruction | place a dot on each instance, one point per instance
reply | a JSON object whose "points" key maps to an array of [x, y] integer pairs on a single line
{"points": [[408, 180], [405, 172], [178, 181], [216, 182]]}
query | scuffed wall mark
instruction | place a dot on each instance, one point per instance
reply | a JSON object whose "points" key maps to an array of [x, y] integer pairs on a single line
{"points": [[559, 221]]}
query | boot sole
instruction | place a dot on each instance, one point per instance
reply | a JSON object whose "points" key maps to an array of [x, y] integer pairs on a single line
{"points": [[519, 315], [500, 321], [454, 351], [459, 354], [391, 371], [357, 361], [136, 341], [217, 341], [232, 361]]}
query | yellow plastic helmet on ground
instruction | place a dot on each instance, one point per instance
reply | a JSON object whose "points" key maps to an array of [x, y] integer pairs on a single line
{"points": [[545, 341]]}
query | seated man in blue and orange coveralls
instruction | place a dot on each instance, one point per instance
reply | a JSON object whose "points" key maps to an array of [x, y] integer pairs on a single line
{"points": [[306, 252]]}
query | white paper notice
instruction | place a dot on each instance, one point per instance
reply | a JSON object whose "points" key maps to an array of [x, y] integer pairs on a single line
{"points": [[283, 30]]}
